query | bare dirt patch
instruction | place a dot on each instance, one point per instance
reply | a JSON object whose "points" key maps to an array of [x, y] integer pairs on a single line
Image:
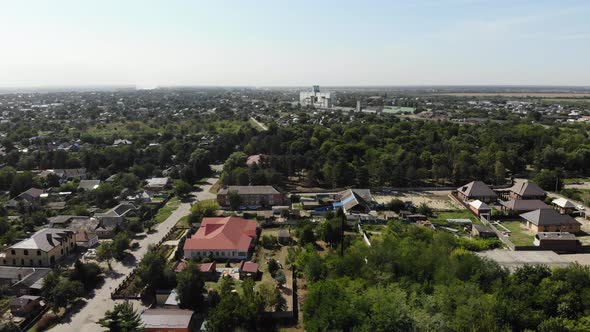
{"points": [[437, 200]]}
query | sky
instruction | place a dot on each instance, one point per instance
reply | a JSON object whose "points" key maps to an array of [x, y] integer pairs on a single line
{"points": [[294, 43]]}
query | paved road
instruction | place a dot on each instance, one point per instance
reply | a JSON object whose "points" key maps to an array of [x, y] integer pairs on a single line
{"points": [[85, 319]]}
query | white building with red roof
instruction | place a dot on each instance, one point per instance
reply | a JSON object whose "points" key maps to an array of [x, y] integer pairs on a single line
{"points": [[222, 238]]}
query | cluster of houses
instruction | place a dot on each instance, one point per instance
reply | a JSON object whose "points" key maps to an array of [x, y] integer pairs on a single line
{"points": [[552, 225]]}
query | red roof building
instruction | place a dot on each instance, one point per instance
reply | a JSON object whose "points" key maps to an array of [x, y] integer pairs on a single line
{"points": [[222, 238]]}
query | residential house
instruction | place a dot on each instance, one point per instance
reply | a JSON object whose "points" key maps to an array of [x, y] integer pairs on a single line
{"points": [[62, 221], [476, 190], [557, 241], [549, 220], [480, 208], [209, 271], [526, 190], [176, 320], [255, 159], [523, 205], [249, 270], [25, 305], [158, 184], [222, 238], [116, 214], [67, 174], [564, 205], [44, 248], [284, 237], [354, 201], [28, 199], [86, 240], [23, 280], [88, 185], [118, 142], [251, 195]]}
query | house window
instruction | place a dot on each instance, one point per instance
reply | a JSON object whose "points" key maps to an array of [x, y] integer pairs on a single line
{"points": [[31, 262], [62, 251], [26, 252], [40, 262], [38, 252], [13, 252]]}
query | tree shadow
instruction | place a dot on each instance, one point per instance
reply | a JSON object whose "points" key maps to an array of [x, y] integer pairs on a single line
{"points": [[75, 308], [129, 260], [114, 274]]}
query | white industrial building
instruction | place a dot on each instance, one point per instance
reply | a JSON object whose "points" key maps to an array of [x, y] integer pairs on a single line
{"points": [[316, 98]]}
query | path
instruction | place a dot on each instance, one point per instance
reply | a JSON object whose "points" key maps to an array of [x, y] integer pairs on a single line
{"points": [[259, 124], [85, 319]]}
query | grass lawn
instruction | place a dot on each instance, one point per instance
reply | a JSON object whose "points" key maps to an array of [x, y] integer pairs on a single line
{"points": [[580, 195], [167, 210], [441, 217], [519, 236]]}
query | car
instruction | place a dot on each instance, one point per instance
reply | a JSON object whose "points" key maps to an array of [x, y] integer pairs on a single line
{"points": [[581, 207]]}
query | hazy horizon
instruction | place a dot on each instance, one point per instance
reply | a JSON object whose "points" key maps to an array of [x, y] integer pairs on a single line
{"points": [[294, 43]]}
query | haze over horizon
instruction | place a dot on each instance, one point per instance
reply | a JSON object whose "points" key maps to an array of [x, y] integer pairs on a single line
{"points": [[294, 43]]}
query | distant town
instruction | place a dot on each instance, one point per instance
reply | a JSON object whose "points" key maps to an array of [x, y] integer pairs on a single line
{"points": [[295, 209]]}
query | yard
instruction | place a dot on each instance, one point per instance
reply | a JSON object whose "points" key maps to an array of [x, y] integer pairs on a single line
{"points": [[167, 210], [441, 217], [519, 235], [437, 200]]}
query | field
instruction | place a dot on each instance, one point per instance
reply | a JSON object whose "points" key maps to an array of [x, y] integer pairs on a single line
{"points": [[518, 94], [167, 210], [519, 236], [436, 200], [398, 110]]}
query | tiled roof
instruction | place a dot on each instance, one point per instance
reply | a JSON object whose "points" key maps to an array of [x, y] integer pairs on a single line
{"points": [[251, 190], [476, 189], [526, 188], [166, 318], [230, 233], [548, 217], [45, 239]]}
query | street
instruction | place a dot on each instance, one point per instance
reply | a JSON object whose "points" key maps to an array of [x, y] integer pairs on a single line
{"points": [[95, 308]]}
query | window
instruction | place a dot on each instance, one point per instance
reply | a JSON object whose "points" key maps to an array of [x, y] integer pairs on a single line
{"points": [[38, 252], [40, 262], [26, 252], [12, 252], [31, 262], [62, 251]]}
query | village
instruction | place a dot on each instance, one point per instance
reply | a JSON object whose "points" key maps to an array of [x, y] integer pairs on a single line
{"points": [[250, 233]]}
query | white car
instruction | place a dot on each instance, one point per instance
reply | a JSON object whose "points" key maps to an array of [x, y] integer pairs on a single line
{"points": [[581, 207]]}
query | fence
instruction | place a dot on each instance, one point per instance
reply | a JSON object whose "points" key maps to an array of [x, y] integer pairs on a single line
{"points": [[127, 280]]}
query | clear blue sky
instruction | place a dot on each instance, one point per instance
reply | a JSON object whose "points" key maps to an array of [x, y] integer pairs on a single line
{"points": [[217, 42]]}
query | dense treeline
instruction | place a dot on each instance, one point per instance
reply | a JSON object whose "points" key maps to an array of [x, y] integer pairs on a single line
{"points": [[376, 152], [414, 279]]}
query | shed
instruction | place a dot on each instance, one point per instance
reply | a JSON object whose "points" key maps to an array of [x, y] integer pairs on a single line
{"points": [[482, 231]]}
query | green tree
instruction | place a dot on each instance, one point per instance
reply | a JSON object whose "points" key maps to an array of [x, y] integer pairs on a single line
{"points": [[202, 209], [190, 287], [182, 189], [66, 292], [105, 253], [123, 318], [235, 200]]}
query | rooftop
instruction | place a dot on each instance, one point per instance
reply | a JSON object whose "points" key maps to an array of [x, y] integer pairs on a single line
{"points": [[251, 190], [229, 233], [45, 239], [167, 318]]}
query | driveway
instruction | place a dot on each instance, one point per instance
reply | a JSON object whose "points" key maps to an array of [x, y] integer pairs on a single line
{"points": [[85, 319]]}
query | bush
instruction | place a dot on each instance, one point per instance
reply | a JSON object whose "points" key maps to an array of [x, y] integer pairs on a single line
{"points": [[273, 266]]}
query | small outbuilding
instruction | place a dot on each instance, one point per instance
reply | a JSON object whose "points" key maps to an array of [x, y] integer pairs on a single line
{"points": [[482, 231], [284, 237], [557, 241], [564, 205]]}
